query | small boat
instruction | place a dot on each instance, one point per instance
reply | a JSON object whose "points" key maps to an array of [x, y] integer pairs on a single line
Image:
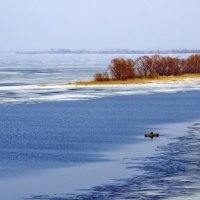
{"points": [[151, 135]]}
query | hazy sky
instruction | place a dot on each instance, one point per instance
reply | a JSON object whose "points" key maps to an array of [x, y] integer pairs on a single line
{"points": [[99, 24]]}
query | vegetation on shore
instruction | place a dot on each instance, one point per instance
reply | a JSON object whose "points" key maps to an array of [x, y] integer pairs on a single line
{"points": [[146, 69], [160, 79]]}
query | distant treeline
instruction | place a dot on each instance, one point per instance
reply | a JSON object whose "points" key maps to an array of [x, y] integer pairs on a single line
{"points": [[149, 66], [112, 51]]}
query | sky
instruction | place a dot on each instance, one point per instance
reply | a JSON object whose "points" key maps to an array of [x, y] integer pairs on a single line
{"points": [[99, 24]]}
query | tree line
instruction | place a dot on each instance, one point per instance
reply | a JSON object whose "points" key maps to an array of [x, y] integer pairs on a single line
{"points": [[149, 67]]}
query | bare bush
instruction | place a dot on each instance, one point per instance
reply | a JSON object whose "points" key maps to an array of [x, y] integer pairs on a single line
{"points": [[122, 69], [144, 66], [167, 66], [101, 76], [193, 64]]}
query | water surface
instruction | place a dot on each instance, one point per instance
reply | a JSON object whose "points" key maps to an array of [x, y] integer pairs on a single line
{"points": [[47, 139], [23, 78], [53, 136]]}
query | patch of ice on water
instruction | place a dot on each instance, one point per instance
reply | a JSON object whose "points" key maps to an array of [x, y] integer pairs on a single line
{"points": [[62, 92]]}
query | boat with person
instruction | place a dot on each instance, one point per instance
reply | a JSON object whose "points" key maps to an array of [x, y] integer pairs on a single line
{"points": [[151, 135]]}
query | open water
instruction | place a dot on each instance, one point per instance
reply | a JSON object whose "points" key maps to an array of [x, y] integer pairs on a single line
{"points": [[50, 147]]}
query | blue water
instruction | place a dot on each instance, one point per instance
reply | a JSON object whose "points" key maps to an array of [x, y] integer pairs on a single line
{"points": [[173, 173], [47, 135], [46, 130]]}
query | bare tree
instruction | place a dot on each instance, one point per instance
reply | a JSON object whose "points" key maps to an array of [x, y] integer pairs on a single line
{"points": [[144, 66], [122, 69], [101, 76], [193, 64]]}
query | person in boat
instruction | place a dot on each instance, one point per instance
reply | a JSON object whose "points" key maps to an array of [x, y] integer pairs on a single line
{"points": [[151, 134]]}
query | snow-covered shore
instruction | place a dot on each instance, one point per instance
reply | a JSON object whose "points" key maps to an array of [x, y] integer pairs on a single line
{"points": [[71, 91]]}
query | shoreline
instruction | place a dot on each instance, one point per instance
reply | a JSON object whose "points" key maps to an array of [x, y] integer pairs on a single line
{"points": [[140, 81], [58, 92]]}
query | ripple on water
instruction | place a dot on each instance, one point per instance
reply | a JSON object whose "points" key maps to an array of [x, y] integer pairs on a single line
{"points": [[173, 173]]}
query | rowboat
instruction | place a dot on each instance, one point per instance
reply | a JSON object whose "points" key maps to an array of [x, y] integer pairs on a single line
{"points": [[151, 135]]}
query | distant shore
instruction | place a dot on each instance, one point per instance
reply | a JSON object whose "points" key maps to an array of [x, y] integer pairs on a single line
{"points": [[160, 80], [112, 51]]}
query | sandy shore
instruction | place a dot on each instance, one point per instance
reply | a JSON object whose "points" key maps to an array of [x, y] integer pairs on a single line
{"points": [[159, 80], [66, 91]]}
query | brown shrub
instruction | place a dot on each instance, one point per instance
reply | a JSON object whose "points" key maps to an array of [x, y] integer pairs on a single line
{"points": [[193, 64], [101, 76], [144, 66], [122, 69], [167, 66]]}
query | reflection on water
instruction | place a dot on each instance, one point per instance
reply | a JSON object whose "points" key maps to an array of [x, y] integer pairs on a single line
{"points": [[173, 173]]}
